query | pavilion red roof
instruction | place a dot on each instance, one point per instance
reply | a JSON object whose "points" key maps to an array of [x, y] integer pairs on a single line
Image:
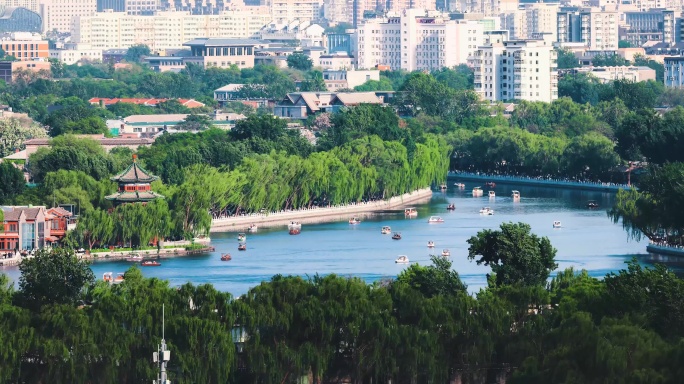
{"points": [[190, 103]]}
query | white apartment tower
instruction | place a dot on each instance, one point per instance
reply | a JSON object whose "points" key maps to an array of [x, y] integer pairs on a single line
{"points": [[517, 70], [531, 20], [417, 40], [164, 30], [58, 15], [283, 11], [596, 28]]}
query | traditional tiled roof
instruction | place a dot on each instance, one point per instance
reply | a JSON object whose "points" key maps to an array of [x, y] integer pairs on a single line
{"points": [[59, 211], [29, 213], [190, 103], [134, 196], [134, 174]]}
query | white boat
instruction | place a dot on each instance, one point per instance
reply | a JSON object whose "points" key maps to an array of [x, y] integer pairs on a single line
{"points": [[478, 192], [354, 220], [459, 185], [242, 237], [294, 225], [410, 212], [443, 187], [431, 244], [252, 228], [446, 253], [386, 230], [516, 195], [487, 211], [134, 258], [492, 194], [402, 259], [435, 219], [556, 224]]}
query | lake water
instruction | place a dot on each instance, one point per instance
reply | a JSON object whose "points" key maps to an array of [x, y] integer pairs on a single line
{"points": [[588, 240]]}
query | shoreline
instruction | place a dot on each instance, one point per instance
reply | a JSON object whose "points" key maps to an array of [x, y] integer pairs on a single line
{"points": [[318, 215], [664, 250], [587, 186]]}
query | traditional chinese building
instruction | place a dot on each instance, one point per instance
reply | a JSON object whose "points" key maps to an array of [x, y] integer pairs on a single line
{"points": [[29, 228], [134, 185]]}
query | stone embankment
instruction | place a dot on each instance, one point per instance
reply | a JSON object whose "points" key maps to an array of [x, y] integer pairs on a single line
{"points": [[318, 214], [538, 181]]}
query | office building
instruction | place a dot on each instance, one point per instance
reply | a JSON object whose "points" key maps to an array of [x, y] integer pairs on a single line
{"points": [[59, 15], [73, 53], [164, 30], [627, 72], [19, 19], [25, 46], [516, 70], [283, 11], [653, 25]]}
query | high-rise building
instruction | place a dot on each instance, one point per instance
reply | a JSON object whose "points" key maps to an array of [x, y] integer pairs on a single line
{"points": [[164, 30], [652, 25], [417, 40], [596, 28], [58, 15], [132, 7], [531, 20], [516, 70], [286, 10], [674, 72]]}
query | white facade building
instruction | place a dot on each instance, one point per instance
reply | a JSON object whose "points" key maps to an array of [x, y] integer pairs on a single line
{"points": [[674, 72], [417, 40], [531, 20], [59, 15], [337, 61], [517, 70], [283, 11], [73, 53], [626, 72], [338, 80], [596, 28], [165, 30]]}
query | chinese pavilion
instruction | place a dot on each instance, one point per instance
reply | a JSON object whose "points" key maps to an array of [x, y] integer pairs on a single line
{"points": [[134, 185]]}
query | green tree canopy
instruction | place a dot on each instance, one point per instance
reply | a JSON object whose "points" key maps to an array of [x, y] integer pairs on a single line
{"points": [[298, 60]]}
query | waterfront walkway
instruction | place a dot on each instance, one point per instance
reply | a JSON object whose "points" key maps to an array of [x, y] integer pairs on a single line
{"points": [[665, 249], [539, 181], [317, 214]]}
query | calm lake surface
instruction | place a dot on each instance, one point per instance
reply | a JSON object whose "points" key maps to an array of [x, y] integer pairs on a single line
{"points": [[588, 240]]}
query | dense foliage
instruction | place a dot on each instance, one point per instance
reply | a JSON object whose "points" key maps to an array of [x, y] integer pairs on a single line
{"points": [[421, 327]]}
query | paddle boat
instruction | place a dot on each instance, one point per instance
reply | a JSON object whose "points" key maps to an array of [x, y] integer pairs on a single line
{"points": [[386, 230], [396, 236], [150, 263], [592, 204], [252, 228], [487, 211], [242, 247], [435, 219], [491, 184], [402, 259], [443, 187], [354, 221], [294, 225], [410, 212], [459, 185], [516, 195], [242, 237], [431, 244], [451, 207], [477, 192], [492, 194], [294, 231], [108, 277], [119, 278], [556, 224], [134, 258], [226, 257], [446, 253]]}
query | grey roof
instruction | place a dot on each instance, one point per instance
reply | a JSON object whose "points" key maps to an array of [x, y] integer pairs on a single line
{"points": [[211, 42]]}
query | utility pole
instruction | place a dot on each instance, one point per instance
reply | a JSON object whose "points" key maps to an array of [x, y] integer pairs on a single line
{"points": [[161, 357]]}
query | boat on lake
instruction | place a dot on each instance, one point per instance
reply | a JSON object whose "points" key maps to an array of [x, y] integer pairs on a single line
{"points": [[443, 187], [386, 230], [410, 212], [134, 258], [491, 184], [446, 253], [294, 231], [459, 185], [451, 207], [492, 194], [354, 221], [242, 237], [294, 225], [515, 195], [431, 244], [402, 259], [108, 277], [396, 236], [226, 257], [592, 204], [487, 211], [252, 228], [477, 192], [556, 224], [435, 219], [242, 247], [150, 263]]}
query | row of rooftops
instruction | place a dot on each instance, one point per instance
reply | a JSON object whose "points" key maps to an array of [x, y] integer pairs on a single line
{"points": [[15, 213]]}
